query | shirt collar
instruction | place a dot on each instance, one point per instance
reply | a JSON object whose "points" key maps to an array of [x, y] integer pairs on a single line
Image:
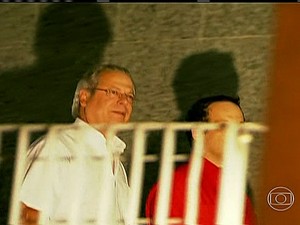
{"points": [[115, 146]]}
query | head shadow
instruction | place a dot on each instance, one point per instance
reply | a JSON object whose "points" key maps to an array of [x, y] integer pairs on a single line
{"points": [[202, 75], [69, 40]]}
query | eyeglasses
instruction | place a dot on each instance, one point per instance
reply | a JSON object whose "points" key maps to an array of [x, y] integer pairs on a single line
{"points": [[114, 93]]}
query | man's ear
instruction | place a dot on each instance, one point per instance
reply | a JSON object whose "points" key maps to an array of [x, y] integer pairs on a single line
{"points": [[83, 97]]}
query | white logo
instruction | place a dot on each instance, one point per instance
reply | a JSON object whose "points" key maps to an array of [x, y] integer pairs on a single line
{"points": [[280, 198]]}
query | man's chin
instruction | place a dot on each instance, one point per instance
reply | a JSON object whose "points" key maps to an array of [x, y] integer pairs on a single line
{"points": [[118, 119]]}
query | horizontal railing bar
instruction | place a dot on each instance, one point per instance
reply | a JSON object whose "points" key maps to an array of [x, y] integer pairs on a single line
{"points": [[154, 157], [251, 126], [147, 158], [30, 127]]}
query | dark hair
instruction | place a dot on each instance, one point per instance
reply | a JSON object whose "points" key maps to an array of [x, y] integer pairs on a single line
{"points": [[199, 112]]}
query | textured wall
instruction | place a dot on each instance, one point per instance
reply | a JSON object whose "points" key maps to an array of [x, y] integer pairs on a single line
{"points": [[176, 52], [153, 39]]}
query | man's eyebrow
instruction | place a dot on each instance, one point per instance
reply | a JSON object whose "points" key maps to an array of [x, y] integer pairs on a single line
{"points": [[118, 89]]}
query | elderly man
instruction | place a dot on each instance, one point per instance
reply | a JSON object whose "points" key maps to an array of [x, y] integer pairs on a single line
{"points": [[69, 178], [215, 109]]}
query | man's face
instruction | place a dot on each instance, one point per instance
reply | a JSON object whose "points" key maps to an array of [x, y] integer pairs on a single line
{"points": [[220, 112], [102, 108]]}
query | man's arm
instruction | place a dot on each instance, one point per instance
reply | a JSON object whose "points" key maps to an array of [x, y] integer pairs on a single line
{"points": [[29, 216]]}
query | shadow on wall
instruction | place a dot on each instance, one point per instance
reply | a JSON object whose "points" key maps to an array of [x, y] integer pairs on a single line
{"points": [[204, 74], [199, 75], [69, 41]]}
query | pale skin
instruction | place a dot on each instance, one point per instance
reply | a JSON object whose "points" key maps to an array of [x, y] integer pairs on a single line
{"points": [[219, 112], [99, 108], [96, 108]]}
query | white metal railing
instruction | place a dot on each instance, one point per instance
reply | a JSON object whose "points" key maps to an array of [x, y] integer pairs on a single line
{"points": [[238, 138]]}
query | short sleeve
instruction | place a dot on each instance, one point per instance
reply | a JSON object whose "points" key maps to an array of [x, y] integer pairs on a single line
{"points": [[37, 189]]}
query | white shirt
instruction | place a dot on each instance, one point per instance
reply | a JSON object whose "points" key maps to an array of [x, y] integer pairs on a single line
{"points": [[72, 180]]}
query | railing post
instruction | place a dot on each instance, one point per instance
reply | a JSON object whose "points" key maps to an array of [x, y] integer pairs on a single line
{"points": [[194, 179], [107, 213], [165, 177], [233, 177], [20, 163], [136, 173]]}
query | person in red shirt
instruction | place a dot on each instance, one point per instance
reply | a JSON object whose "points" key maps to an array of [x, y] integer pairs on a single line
{"points": [[215, 109]]}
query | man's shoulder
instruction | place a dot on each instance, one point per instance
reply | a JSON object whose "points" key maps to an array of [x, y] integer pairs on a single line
{"points": [[70, 134], [36, 147], [53, 141]]}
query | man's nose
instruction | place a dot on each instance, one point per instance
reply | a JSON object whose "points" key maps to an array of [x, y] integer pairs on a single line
{"points": [[123, 98]]}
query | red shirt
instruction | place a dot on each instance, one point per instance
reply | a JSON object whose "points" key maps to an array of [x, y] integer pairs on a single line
{"points": [[209, 196]]}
